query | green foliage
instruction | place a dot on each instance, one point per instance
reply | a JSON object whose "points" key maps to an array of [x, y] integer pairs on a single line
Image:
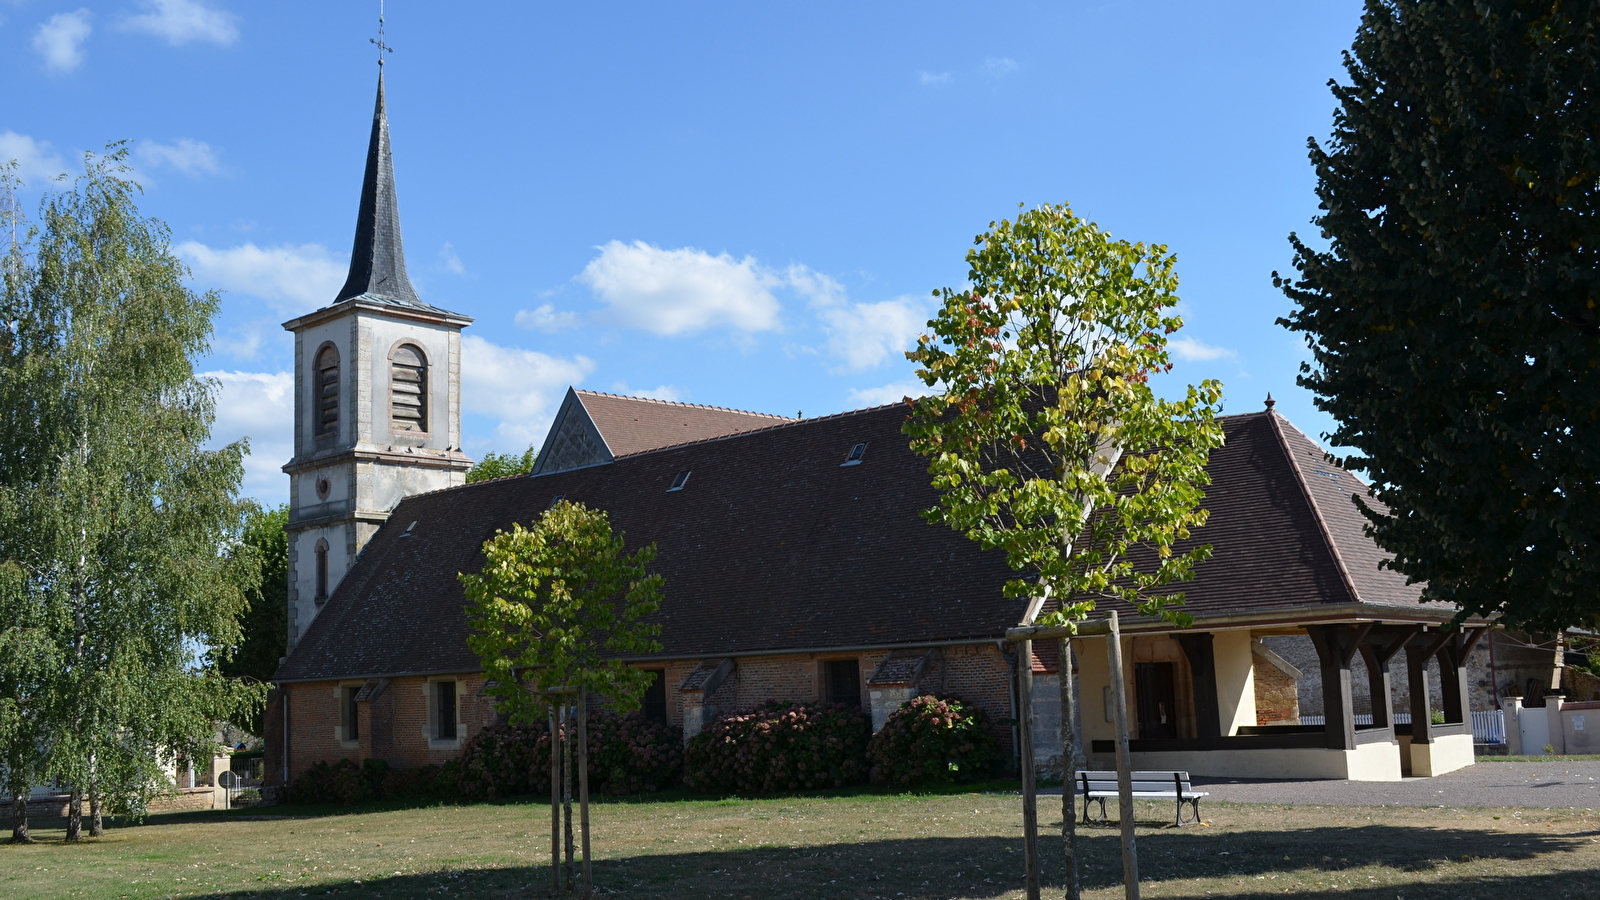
{"points": [[500, 465], [779, 747], [1451, 313], [931, 741], [262, 638], [1045, 438], [555, 605], [627, 755], [113, 515], [346, 783]]}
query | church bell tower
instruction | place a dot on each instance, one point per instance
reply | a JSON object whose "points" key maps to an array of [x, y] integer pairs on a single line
{"points": [[377, 403]]}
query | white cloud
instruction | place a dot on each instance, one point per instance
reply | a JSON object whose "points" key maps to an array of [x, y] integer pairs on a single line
{"points": [[184, 21], [260, 406], [519, 387], [998, 66], [187, 155], [671, 292], [860, 335], [1190, 350], [863, 335], [932, 79], [451, 260], [545, 317], [660, 392], [60, 40], [294, 279], [36, 161], [861, 398]]}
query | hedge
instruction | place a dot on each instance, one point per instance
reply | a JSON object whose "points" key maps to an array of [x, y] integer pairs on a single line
{"points": [[627, 755], [932, 740], [779, 747]]}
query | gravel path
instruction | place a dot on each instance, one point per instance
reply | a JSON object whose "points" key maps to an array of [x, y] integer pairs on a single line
{"points": [[1566, 784]]}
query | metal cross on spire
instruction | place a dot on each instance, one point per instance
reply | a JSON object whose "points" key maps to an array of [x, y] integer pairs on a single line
{"points": [[382, 47]]}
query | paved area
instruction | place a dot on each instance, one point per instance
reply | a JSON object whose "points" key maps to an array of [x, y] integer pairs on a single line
{"points": [[1541, 785]]}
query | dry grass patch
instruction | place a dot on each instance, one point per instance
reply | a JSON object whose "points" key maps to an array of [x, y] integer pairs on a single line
{"points": [[949, 847]]}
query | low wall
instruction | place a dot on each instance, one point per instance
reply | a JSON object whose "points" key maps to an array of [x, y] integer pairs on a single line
{"points": [[1565, 728], [1377, 761]]}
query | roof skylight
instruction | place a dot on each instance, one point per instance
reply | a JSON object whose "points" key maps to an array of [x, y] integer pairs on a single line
{"points": [[679, 482], [856, 453]]}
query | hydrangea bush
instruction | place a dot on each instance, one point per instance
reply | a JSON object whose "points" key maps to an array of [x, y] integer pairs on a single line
{"points": [[932, 740], [779, 747]]}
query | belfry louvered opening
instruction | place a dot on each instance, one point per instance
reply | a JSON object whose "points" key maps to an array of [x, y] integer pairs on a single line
{"points": [[327, 375], [408, 389]]}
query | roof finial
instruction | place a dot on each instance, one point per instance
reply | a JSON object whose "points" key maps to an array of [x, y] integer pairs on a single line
{"points": [[382, 47], [1270, 402]]}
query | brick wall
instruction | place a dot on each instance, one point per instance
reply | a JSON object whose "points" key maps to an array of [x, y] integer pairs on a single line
{"points": [[1277, 695], [394, 726]]}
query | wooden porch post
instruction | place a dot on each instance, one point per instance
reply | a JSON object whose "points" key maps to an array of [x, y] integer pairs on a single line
{"points": [[1417, 682], [1069, 765], [1336, 646], [1377, 657], [1203, 666]]}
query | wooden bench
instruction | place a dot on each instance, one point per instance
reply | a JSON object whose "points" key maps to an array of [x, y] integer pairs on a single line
{"points": [[1152, 785]]}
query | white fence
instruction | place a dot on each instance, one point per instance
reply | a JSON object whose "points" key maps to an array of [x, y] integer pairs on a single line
{"points": [[1488, 726]]}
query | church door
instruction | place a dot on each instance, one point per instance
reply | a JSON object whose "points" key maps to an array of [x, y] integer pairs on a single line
{"points": [[1155, 688]]}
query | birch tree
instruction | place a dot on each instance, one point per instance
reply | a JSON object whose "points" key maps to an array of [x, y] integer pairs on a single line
{"points": [[116, 517]]}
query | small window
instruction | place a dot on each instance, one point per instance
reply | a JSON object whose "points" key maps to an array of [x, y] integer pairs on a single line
{"points": [[327, 381], [679, 482], [409, 528], [856, 452], [444, 721], [352, 721], [841, 682], [655, 697], [554, 500], [321, 554], [408, 389]]}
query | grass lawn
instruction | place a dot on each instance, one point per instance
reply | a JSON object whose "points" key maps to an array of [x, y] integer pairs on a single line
{"points": [[939, 847]]}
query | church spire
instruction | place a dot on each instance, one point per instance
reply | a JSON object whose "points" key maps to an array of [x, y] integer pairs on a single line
{"points": [[378, 261]]}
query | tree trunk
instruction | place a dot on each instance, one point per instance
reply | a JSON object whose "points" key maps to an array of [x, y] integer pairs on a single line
{"points": [[566, 793], [583, 788], [96, 825], [75, 815], [555, 801], [19, 818], [1069, 765]]}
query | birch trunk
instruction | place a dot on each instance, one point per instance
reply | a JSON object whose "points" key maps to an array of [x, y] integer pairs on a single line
{"points": [[19, 818], [75, 815]]}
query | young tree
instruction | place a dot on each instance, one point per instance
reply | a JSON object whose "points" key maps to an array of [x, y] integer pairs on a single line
{"points": [[1046, 440], [262, 640], [551, 611], [499, 465], [110, 508], [1452, 314], [555, 606]]}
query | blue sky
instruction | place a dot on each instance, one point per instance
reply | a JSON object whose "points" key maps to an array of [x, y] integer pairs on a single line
{"points": [[736, 204]]}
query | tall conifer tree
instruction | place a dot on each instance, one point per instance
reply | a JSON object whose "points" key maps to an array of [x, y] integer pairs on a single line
{"points": [[116, 520], [1452, 314]]}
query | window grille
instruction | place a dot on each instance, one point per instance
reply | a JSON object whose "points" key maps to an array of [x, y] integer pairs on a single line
{"points": [[408, 390], [327, 376]]}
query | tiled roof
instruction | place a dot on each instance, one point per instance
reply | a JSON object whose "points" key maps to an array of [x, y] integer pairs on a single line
{"points": [[773, 546], [636, 424]]}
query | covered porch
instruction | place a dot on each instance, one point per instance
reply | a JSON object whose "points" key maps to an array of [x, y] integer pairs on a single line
{"points": [[1192, 701]]}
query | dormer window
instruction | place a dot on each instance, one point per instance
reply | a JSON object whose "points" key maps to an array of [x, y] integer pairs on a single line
{"points": [[408, 389], [679, 482], [327, 388], [855, 455]]}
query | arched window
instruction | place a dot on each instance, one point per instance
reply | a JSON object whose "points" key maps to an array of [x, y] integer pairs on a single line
{"points": [[327, 375], [408, 389], [321, 554]]}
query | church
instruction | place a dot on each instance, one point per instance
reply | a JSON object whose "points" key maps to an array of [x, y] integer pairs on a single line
{"points": [[797, 567]]}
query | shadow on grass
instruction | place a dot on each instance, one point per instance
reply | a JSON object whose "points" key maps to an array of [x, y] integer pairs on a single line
{"points": [[982, 867]]}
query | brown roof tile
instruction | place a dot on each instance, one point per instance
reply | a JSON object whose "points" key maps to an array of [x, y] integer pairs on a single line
{"points": [[636, 424], [773, 545]]}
